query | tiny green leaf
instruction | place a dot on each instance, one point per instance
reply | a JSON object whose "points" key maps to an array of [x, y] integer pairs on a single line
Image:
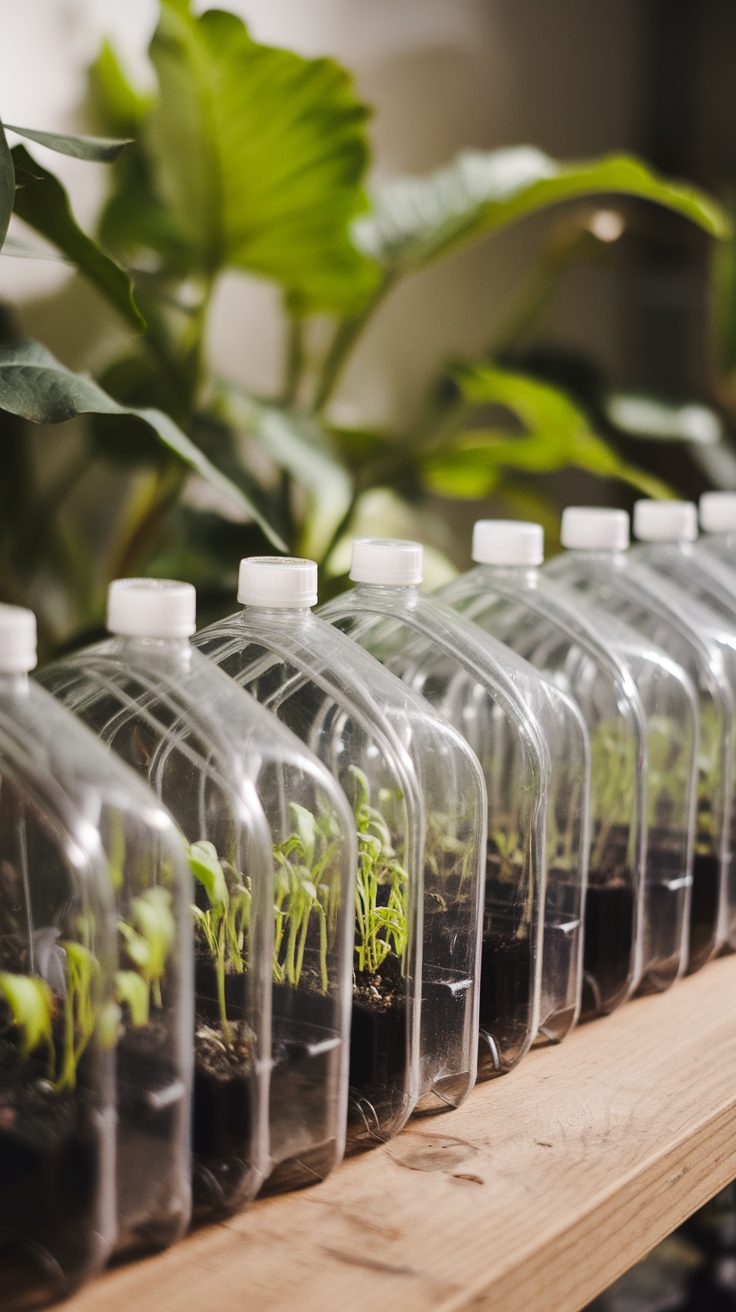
{"points": [[417, 220], [44, 206], [207, 869], [132, 990], [97, 149], [36, 387], [30, 1002]]}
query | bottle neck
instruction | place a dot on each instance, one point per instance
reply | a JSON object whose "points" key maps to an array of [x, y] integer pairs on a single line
{"points": [[403, 593], [287, 616], [13, 687], [525, 577], [166, 653]]}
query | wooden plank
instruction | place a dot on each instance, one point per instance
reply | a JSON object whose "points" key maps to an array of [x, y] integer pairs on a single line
{"points": [[541, 1190]]}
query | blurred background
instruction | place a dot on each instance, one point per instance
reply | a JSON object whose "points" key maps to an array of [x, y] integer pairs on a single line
{"points": [[598, 338], [625, 307]]}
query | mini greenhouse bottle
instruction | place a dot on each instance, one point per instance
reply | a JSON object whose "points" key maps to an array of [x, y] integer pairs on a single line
{"points": [[599, 566], [272, 851], [57, 1018], [491, 697], [359, 721], [507, 595], [667, 533]]}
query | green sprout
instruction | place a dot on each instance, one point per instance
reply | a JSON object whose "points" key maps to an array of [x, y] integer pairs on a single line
{"points": [[381, 922], [506, 844], [32, 1004], [304, 891], [148, 939], [224, 924]]}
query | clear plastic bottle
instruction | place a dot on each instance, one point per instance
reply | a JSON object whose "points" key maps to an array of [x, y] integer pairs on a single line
{"points": [[70, 816], [272, 852], [667, 533], [507, 595], [413, 1040], [717, 541], [599, 567], [504, 709]]}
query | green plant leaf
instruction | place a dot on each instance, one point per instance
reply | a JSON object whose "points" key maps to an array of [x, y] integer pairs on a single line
{"points": [[261, 154], [30, 1002], [556, 435], [44, 206], [36, 387], [7, 185], [131, 989], [122, 106], [100, 150], [207, 869], [417, 220]]}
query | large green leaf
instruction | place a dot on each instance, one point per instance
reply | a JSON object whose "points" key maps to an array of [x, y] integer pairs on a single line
{"points": [[262, 155], [417, 220], [100, 150], [36, 387], [7, 185], [556, 435], [44, 205]]}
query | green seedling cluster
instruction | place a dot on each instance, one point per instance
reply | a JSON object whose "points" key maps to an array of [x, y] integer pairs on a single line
{"points": [[612, 776], [147, 938], [381, 920], [305, 891], [224, 923], [33, 1005]]}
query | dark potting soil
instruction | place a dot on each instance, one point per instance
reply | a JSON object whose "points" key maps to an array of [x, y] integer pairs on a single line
{"points": [[50, 1170], [222, 1113], [447, 1009], [505, 995], [703, 909], [608, 946], [304, 1084], [152, 1129], [665, 897], [378, 1055]]}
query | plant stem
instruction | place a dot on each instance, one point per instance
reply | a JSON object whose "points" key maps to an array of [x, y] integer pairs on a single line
{"points": [[347, 334], [294, 361]]}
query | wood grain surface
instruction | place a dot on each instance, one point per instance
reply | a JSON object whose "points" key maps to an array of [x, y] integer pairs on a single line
{"points": [[542, 1189]]}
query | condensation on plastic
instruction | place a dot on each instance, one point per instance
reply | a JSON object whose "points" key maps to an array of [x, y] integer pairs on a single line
{"points": [[70, 816], [706, 599], [532, 745], [234, 777], [513, 604], [368, 729]]}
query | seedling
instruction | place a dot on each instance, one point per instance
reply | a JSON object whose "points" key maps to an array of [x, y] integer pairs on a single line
{"points": [[32, 1005], [381, 922], [302, 892], [224, 924]]}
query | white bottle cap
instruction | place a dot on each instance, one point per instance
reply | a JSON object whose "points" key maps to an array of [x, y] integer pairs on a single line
{"points": [[594, 528], [389, 561], [151, 608], [718, 512], [17, 640], [507, 542], [278, 582], [666, 521]]}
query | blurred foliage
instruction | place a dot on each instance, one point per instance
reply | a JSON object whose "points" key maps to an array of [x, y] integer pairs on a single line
{"points": [[253, 158]]}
